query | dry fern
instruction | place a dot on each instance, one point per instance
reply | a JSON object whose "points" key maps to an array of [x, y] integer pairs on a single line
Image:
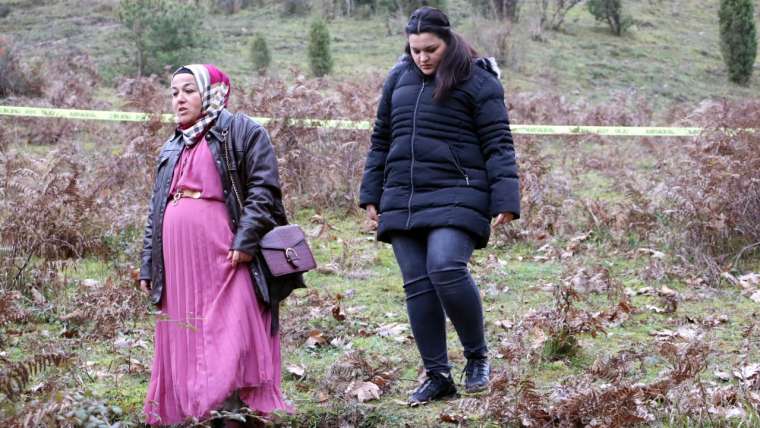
{"points": [[15, 378]]}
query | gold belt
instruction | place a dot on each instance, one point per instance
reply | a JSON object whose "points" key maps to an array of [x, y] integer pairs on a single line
{"points": [[185, 194]]}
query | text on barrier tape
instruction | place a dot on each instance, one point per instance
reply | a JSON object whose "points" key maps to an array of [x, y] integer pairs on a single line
{"points": [[121, 116]]}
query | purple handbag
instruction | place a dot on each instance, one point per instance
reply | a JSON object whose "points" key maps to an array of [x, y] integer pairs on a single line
{"points": [[286, 251], [284, 248]]}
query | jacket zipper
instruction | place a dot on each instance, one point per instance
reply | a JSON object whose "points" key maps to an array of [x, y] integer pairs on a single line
{"points": [[411, 171], [458, 166]]}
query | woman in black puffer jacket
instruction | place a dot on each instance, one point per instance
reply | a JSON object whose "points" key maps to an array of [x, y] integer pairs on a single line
{"points": [[440, 168]]}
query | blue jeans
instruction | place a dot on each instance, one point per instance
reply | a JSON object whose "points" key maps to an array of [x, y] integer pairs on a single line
{"points": [[437, 284]]}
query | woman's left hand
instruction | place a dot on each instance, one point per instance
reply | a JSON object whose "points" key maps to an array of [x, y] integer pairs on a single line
{"points": [[236, 257], [503, 218]]}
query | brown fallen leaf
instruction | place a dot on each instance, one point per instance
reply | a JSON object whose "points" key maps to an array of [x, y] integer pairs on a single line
{"points": [[337, 313], [315, 339], [296, 370], [451, 418], [755, 297], [750, 280], [364, 391], [724, 376], [76, 314], [38, 297], [747, 373], [653, 253], [391, 330]]}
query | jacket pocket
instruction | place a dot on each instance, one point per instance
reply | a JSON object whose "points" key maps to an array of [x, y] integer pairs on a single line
{"points": [[458, 164]]}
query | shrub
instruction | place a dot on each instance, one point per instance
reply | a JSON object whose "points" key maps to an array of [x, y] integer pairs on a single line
{"points": [[260, 55], [406, 7], [295, 7], [164, 33], [494, 39], [319, 168], [611, 12], [501, 9], [549, 14], [715, 190], [320, 57], [738, 38], [231, 6], [15, 79]]}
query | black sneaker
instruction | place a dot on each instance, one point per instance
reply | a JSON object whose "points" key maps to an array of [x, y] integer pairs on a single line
{"points": [[477, 375], [437, 386]]}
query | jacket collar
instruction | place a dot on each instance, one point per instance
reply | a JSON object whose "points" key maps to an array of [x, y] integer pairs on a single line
{"points": [[223, 122]]}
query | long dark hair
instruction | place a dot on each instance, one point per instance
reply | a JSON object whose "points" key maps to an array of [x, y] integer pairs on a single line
{"points": [[456, 65]]}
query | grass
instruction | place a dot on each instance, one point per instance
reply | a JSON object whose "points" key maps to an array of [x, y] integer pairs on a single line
{"points": [[663, 61], [365, 276]]}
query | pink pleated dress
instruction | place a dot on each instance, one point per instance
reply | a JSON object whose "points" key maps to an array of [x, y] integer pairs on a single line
{"points": [[212, 336]]}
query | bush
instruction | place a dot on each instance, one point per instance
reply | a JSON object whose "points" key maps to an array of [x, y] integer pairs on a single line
{"points": [[610, 11], [164, 33], [14, 78], [320, 57], [716, 189], [549, 14], [501, 9], [295, 7], [494, 39], [319, 168], [260, 55], [738, 38], [408, 6], [231, 6]]}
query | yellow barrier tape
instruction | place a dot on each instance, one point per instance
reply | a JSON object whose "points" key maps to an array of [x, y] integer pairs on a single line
{"points": [[630, 131]]}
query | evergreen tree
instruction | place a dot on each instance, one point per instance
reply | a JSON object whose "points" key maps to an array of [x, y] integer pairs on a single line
{"points": [[611, 12], [320, 58], [738, 38], [163, 32], [260, 55]]}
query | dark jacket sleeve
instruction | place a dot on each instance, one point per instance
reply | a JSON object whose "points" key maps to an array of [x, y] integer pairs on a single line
{"points": [[498, 149], [262, 184], [374, 166], [147, 252], [146, 258]]}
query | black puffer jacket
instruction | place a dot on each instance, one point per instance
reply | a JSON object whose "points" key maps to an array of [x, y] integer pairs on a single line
{"points": [[441, 164], [252, 154]]}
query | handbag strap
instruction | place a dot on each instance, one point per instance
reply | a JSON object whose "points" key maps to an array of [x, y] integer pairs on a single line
{"points": [[233, 177]]}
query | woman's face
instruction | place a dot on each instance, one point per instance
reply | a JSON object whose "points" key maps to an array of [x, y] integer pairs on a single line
{"points": [[186, 99], [427, 51]]}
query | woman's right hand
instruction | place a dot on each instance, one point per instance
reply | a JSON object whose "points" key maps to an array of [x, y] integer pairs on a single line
{"points": [[372, 213], [145, 286]]}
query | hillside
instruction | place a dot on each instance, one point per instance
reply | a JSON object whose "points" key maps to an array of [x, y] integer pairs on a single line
{"points": [[627, 294], [670, 55]]}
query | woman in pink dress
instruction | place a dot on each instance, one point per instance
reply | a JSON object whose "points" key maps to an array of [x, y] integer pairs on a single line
{"points": [[216, 340]]}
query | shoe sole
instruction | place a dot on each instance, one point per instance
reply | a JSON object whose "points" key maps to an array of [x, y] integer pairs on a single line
{"points": [[485, 390], [442, 398]]}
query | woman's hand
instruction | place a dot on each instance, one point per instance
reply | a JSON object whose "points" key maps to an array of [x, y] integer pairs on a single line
{"points": [[236, 257], [145, 286], [372, 213], [503, 218]]}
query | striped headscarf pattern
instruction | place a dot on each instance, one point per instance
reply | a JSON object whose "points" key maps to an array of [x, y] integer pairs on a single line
{"points": [[214, 88]]}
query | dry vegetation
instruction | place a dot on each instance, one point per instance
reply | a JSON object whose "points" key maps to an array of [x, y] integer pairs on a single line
{"points": [[684, 213]]}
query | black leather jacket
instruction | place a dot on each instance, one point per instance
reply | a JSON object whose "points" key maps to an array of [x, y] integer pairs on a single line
{"points": [[252, 156]]}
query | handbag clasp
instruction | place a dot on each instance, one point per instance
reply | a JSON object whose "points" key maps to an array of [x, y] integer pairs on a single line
{"points": [[291, 255]]}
